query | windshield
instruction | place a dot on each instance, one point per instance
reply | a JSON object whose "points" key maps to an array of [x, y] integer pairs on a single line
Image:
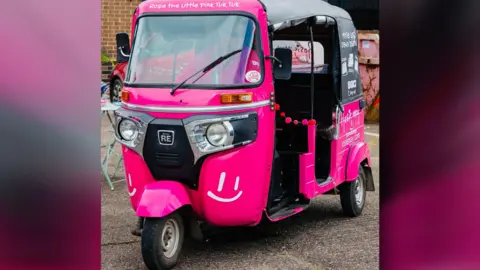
{"points": [[168, 49]]}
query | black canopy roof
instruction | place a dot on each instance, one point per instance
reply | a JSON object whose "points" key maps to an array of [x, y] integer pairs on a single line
{"points": [[280, 11]]}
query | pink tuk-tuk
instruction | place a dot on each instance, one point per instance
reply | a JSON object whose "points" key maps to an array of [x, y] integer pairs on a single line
{"points": [[218, 127]]}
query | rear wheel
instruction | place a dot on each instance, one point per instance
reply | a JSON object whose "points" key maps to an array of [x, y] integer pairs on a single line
{"points": [[162, 240], [117, 86], [353, 195]]}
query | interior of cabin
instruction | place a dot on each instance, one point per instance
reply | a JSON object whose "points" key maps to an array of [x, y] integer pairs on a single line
{"points": [[297, 102]]}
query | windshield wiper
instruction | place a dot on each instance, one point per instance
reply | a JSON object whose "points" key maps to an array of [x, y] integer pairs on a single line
{"points": [[205, 69]]}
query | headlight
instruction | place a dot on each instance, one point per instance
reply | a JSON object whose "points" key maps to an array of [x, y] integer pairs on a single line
{"points": [[217, 134], [128, 130], [212, 135]]}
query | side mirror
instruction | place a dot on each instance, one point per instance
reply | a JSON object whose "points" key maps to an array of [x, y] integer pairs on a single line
{"points": [[123, 47], [282, 68]]}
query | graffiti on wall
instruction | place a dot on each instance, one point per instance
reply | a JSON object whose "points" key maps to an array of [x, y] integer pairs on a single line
{"points": [[302, 55], [369, 61]]}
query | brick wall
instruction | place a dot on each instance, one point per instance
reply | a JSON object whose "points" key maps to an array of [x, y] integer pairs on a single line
{"points": [[106, 70], [116, 17]]}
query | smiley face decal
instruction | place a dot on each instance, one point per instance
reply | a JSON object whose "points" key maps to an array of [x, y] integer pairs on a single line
{"points": [[134, 190], [221, 181]]}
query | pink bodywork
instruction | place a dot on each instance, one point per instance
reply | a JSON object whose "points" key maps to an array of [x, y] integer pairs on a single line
{"points": [[238, 179], [349, 150]]}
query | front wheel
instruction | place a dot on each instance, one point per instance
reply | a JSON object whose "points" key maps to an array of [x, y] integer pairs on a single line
{"points": [[115, 90], [162, 240], [353, 194]]}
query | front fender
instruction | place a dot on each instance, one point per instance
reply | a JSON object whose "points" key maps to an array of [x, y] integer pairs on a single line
{"points": [[162, 198], [113, 75], [356, 154], [118, 71]]}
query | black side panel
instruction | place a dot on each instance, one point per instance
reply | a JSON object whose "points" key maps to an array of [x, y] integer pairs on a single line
{"points": [[245, 129], [275, 179], [351, 87], [290, 167]]}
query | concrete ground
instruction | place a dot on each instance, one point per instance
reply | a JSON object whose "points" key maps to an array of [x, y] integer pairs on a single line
{"points": [[319, 238]]}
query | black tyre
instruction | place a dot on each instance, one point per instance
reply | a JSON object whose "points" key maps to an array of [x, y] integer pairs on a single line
{"points": [[115, 89], [353, 195], [162, 240]]}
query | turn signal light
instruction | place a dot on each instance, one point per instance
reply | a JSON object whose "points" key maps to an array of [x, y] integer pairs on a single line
{"points": [[124, 95], [236, 98]]}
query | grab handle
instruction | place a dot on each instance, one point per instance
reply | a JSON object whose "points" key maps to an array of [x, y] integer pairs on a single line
{"points": [[363, 104]]}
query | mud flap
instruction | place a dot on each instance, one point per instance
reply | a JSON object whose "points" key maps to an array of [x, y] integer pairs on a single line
{"points": [[368, 173], [137, 231]]}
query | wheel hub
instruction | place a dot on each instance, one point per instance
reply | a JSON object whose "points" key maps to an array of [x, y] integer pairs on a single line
{"points": [[359, 192], [170, 238], [116, 92]]}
